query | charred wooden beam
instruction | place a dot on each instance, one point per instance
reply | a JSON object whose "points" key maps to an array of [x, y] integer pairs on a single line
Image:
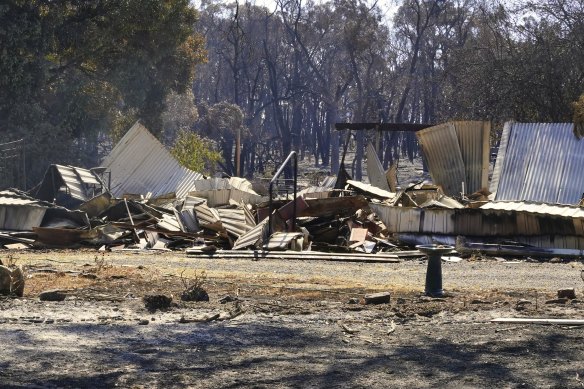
{"points": [[382, 126]]}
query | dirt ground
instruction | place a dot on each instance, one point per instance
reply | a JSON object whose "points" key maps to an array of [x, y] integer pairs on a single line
{"points": [[288, 324]]}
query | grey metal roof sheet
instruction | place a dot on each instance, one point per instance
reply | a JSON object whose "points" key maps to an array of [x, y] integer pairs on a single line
{"points": [[72, 181], [474, 141], [140, 164], [372, 189], [11, 197], [457, 152], [541, 162], [440, 147], [218, 191], [549, 209], [20, 212]]}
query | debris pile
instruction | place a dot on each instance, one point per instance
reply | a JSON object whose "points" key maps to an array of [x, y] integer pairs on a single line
{"points": [[141, 198]]}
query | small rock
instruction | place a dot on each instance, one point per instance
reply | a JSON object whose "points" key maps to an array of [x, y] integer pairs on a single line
{"points": [[377, 298], [89, 276], [353, 300], [556, 260], [569, 293], [143, 322], [52, 295]]}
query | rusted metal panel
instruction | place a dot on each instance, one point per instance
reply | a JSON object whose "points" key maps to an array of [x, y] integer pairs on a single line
{"points": [[478, 222], [542, 162], [333, 206], [457, 152], [440, 147], [140, 164], [474, 141]]}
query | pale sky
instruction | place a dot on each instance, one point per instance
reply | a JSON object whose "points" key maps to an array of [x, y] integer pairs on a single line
{"points": [[389, 6]]}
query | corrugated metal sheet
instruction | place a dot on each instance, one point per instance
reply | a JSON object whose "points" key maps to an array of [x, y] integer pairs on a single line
{"points": [[234, 221], [372, 190], [281, 240], [19, 212], [21, 217], [219, 191], [457, 152], [11, 197], [73, 182], [252, 237], [375, 169], [549, 209], [442, 153], [80, 185], [316, 192], [542, 162], [329, 182], [474, 141], [477, 222], [499, 162], [140, 164]]}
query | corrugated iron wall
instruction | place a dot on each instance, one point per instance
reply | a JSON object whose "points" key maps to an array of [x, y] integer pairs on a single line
{"points": [[477, 222], [457, 152], [542, 162], [442, 153], [473, 138]]}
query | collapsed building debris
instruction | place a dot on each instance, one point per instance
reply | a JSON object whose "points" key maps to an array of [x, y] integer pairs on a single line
{"points": [[499, 227], [155, 204]]}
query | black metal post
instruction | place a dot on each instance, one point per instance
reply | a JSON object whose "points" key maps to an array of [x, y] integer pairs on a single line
{"points": [[273, 181]]}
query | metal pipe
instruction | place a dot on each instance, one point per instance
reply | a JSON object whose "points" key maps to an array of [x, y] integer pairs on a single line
{"points": [[271, 188]]}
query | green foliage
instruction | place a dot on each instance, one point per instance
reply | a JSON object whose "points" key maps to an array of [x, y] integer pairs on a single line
{"points": [[71, 71], [195, 153]]}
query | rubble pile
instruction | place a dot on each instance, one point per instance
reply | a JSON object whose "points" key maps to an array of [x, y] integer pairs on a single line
{"points": [[146, 201]]}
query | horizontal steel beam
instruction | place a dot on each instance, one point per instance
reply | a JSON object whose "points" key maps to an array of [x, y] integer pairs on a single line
{"points": [[382, 126]]}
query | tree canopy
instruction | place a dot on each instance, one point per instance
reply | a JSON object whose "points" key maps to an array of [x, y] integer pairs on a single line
{"points": [[75, 75], [72, 72]]}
